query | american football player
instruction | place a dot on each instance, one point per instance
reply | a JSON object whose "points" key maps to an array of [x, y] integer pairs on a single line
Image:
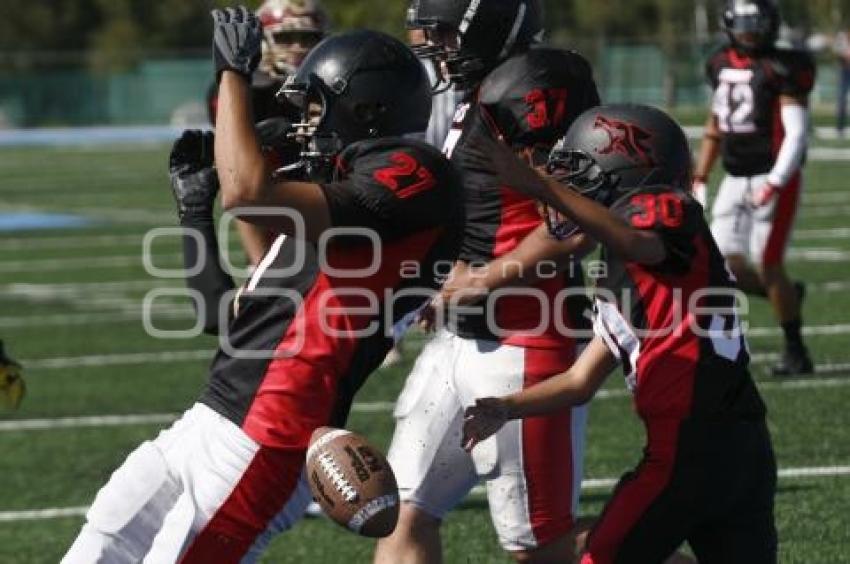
{"points": [[362, 233], [12, 385], [759, 123], [506, 324], [665, 311]]}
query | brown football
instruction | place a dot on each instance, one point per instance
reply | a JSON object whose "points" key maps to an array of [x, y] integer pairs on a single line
{"points": [[353, 482]]}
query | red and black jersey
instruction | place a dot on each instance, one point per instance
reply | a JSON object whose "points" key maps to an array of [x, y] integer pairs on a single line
{"points": [[530, 100], [316, 319], [674, 325], [746, 103]]}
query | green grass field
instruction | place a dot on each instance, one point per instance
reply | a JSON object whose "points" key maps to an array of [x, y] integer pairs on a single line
{"points": [[70, 302]]}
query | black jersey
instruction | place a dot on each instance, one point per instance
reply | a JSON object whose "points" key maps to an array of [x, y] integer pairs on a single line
{"points": [[746, 103], [529, 100], [674, 325], [316, 319]]}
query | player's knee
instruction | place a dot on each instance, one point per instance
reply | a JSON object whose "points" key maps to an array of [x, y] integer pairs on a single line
{"points": [[416, 520]]}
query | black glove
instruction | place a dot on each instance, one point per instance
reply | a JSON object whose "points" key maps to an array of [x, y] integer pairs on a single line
{"points": [[194, 181], [274, 134], [237, 38]]}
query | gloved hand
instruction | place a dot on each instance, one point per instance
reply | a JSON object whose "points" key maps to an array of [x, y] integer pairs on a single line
{"points": [[763, 195], [237, 39], [194, 182], [12, 385], [273, 134]]}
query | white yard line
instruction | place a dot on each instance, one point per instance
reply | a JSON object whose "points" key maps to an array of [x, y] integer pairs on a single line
{"points": [[64, 264], [76, 242], [117, 359], [105, 421], [818, 254], [821, 330], [588, 484], [840, 233], [25, 321]]}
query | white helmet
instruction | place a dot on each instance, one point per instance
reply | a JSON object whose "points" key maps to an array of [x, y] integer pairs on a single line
{"points": [[290, 29]]}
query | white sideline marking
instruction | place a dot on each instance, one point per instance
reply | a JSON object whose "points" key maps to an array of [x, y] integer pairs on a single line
{"points": [[589, 484], [103, 421]]}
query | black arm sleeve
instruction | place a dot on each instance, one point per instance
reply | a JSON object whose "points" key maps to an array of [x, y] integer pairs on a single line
{"points": [[212, 282]]}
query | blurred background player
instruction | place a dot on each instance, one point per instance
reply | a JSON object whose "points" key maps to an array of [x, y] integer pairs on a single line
{"points": [[290, 29], [12, 386], [666, 312], [219, 483], [528, 97], [759, 122]]}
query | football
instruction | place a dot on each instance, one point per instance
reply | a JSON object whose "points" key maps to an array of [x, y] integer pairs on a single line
{"points": [[353, 482]]}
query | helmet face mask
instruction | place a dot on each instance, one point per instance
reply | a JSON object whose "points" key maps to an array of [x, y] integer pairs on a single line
{"points": [[467, 39], [751, 25]]}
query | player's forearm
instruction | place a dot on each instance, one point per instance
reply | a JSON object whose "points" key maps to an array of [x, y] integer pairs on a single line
{"points": [[600, 224], [576, 386], [709, 150], [795, 119], [241, 167], [554, 394], [255, 241], [538, 257]]}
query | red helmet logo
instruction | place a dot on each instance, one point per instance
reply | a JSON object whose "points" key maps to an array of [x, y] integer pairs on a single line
{"points": [[626, 139]]}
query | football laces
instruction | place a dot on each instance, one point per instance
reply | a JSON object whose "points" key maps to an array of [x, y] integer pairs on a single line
{"points": [[334, 472]]}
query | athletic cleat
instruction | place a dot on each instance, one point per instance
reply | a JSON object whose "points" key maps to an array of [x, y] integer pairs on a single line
{"points": [[794, 364]]}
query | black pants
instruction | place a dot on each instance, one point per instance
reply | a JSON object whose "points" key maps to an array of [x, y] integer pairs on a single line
{"points": [[711, 484]]}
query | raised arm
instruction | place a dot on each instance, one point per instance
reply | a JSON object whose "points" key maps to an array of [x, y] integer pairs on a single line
{"points": [[246, 179]]}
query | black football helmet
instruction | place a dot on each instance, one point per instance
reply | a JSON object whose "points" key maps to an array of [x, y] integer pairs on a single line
{"points": [[486, 33], [355, 86], [612, 150], [513, 93], [752, 25]]}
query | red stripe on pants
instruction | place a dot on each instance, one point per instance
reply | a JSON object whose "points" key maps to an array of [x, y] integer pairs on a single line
{"points": [[634, 494], [783, 221], [261, 493], [548, 452]]}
